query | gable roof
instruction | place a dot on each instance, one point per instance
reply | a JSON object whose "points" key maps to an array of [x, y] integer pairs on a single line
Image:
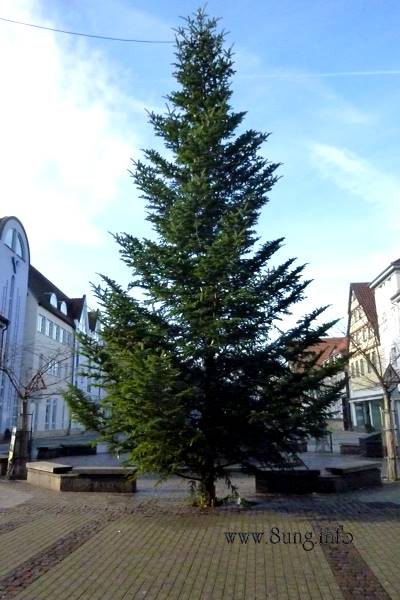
{"points": [[42, 288], [76, 307], [366, 299], [330, 347]]}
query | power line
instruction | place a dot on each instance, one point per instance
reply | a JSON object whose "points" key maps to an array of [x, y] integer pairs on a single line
{"points": [[89, 35]]}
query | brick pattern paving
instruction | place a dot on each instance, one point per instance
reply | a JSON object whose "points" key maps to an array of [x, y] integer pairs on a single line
{"points": [[353, 574], [379, 544], [185, 557], [21, 544], [153, 545], [27, 572]]}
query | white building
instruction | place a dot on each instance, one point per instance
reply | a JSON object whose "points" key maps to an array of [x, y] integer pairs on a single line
{"points": [[365, 393], [386, 287], [39, 350], [14, 266], [52, 349]]}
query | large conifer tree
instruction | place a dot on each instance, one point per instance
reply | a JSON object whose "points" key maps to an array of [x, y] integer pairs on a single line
{"points": [[197, 377]]}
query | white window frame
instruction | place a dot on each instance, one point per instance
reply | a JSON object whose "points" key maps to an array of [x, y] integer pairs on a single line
{"points": [[41, 324]]}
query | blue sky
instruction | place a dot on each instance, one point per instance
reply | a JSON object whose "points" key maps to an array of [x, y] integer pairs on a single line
{"points": [[322, 77]]}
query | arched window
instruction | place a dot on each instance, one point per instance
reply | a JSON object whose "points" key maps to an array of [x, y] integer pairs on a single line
{"points": [[8, 240], [19, 246], [14, 241], [63, 307], [53, 300]]}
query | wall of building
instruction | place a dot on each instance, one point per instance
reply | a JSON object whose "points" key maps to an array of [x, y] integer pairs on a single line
{"points": [[365, 392], [389, 318], [14, 269], [48, 346], [389, 327]]}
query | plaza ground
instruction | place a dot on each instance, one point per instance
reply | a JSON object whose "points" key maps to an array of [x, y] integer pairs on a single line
{"points": [[153, 544]]}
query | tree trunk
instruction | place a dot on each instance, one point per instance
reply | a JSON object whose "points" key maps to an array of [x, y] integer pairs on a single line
{"points": [[17, 467], [208, 485], [389, 438]]}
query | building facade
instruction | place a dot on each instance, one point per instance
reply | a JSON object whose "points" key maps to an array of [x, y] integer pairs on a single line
{"points": [[329, 350], [39, 349], [365, 392], [14, 269], [386, 287]]}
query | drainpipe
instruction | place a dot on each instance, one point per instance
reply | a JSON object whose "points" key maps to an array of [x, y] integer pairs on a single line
{"points": [[4, 326], [72, 379]]}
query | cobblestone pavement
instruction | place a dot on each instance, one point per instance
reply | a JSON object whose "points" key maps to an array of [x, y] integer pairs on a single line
{"points": [[153, 544]]}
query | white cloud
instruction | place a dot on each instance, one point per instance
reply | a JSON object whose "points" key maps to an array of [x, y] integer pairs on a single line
{"points": [[360, 178], [64, 145], [281, 74]]}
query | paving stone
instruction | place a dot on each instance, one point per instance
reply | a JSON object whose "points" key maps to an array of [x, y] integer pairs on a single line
{"points": [[155, 545]]}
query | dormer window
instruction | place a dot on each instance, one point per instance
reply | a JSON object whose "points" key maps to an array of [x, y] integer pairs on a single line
{"points": [[53, 300], [14, 241], [63, 307]]}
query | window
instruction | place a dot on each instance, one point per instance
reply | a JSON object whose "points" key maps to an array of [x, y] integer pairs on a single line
{"points": [[53, 300], [8, 240], [63, 307], [364, 334], [54, 368], [41, 324], [56, 332], [357, 369], [14, 241], [353, 371], [369, 368], [362, 366], [54, 414], [393, 355], [19, 246], [47, 414]]}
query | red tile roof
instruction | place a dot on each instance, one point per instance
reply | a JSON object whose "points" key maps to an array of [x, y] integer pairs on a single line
{"points": [[330, 347], [366, 299]]}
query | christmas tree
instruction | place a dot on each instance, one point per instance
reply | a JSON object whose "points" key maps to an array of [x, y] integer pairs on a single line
{"points": [[197, 377]]}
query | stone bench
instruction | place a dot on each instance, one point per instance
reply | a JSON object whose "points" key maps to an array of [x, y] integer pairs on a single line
{"points": [[350, 477], [3, 464], [287, 481], [65, 478], [53, 451], [350, 449], [342, 478]]}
